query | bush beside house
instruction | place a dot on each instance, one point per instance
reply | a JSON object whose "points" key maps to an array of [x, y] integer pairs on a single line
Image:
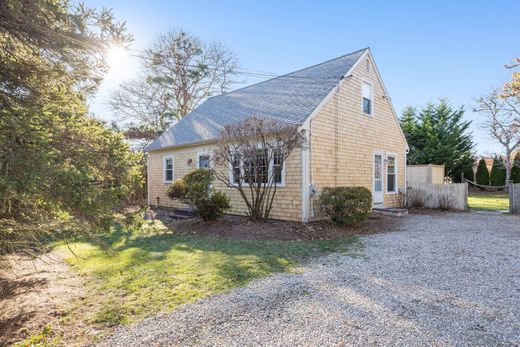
{"points": [[195, 190], [346, 205]]}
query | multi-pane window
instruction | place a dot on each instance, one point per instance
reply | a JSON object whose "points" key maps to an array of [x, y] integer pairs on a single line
{"points": [[259, 168], [168, 169], [367, 98], [391, 176], [277, 166], [378, 173], [236, 172], [204, 161]]}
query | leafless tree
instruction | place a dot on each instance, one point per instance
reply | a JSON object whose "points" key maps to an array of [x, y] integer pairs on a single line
{"points": [[178, 72], [250, 157], [144, 107], [502, 122]]}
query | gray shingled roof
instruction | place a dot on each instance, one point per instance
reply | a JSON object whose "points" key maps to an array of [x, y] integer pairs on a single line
{"points": [[289, 98]]}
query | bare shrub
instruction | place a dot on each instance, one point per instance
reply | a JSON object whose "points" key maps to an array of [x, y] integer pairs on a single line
{"points": [[446, 202], [250, 157], [416, 198], [401, 199]]}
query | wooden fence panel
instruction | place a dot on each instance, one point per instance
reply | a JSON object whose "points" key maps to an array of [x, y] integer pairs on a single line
{"points": [[424, 174], [514, 198], [444, 196]]}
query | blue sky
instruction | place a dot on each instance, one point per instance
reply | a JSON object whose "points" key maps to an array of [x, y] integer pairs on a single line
{"points": [[424, 50]]}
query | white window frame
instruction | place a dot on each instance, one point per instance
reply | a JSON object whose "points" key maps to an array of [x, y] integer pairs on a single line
{"points": [[245, 184], [396, 188], [383, 180], [371, 114], [231, 172], [271, 173], [165, 158], [201, 153]]}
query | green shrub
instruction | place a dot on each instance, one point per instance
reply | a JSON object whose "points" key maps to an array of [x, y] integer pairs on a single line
{"points": [[482, 173], [469, 174], [497, 177], [515, 170], [346, 205], [195, 190]]}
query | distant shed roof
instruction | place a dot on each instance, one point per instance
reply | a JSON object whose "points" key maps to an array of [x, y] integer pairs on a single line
{"points": [[289, 98]]}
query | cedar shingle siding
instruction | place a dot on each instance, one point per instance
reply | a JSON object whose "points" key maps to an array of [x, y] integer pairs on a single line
{"points": [[287, 203], [359, 136]]}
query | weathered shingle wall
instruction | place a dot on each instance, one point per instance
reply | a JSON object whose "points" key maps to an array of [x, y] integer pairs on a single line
{"points": [[358, 137]]}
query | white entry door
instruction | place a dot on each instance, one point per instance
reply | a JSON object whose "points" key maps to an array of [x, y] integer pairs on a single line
{"points": [[378, 179]]}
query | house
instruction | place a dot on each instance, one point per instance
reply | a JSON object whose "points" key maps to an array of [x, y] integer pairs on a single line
{"points": [[353, 137]]}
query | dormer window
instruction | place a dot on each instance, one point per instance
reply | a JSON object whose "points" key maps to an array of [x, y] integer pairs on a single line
{"points": [[366, 90]]}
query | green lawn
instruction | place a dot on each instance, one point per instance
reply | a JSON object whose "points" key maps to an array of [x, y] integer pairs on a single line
{"points": [[488, 202], [154, 270]]}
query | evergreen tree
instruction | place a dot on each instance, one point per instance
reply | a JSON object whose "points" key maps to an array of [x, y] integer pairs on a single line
{"points": [[515, 171], [60, 170], [469, 174], [482, 173], [438, 135], [497, 177]]}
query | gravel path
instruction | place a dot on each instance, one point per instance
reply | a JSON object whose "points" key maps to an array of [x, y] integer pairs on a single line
{"points": [[443, 279]]}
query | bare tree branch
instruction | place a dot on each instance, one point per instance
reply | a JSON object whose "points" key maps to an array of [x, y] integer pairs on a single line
{"points": [[502, 121], [250, 157], [178, 73]]}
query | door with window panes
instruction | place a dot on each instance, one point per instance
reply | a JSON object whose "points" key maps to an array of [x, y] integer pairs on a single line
{"points": [[378, 179]]}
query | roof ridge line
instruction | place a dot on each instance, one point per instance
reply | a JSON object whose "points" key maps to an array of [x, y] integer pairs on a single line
{"points": [[289, 73]]}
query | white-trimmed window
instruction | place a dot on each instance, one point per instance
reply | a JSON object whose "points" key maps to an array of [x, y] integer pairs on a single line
{"points": [[275, 170], [391, 174], [235, 170], [367, 96], [257, 167], [168, 169], [204, 161], [278, 168]]}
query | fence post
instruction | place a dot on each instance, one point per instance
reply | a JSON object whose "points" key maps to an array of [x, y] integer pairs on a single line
{"points": [[466, 205], [511, 197], [514, 198]]}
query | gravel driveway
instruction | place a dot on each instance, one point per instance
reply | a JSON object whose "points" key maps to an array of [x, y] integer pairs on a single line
{"points": [[443, 279]]}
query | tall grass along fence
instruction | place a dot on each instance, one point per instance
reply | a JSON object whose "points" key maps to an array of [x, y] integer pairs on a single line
{"points": [[449, 196], [514, 198]]}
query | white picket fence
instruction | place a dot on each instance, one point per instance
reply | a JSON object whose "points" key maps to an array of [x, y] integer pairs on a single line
{"points": [[514, 198], [449, 196]]}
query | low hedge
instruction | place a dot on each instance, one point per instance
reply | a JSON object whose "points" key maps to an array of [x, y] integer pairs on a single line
{"points": [[346, 205]]}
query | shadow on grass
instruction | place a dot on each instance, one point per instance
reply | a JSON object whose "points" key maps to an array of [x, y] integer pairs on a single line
{"points": [[144, 273]]}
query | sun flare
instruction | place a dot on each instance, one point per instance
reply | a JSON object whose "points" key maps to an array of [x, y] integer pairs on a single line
{"points": [[119, 60]]}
